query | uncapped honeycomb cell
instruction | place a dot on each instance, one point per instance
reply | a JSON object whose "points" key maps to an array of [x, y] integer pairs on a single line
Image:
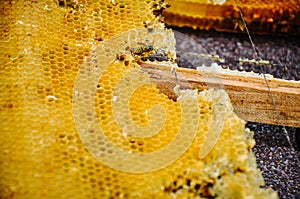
{"points": [[81, 119]]}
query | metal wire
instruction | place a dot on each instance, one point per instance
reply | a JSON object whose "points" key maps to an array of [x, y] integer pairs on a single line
{"points": [[257, 57]]}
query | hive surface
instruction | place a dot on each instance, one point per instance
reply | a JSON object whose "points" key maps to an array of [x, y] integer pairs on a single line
{"points": [[70, 110]]}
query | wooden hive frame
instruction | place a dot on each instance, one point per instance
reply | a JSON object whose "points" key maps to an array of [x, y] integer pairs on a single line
{"points": [[249, 94]]}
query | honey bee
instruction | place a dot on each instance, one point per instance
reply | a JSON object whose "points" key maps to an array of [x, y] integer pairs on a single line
{"points": [[162, 56], [142, 50], [239, 24], [142, 53], [68, 3]]}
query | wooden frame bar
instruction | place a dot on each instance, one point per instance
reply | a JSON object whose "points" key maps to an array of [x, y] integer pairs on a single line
{"points": [[249, 94]]}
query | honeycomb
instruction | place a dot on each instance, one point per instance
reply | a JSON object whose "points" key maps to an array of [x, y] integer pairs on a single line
{"points": [[261, 16], [80, 119]]}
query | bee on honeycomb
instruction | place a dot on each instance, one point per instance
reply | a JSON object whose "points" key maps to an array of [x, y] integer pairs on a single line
{"points": [[136, 52], [144, 53], [142, 50], [156, 57]]}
